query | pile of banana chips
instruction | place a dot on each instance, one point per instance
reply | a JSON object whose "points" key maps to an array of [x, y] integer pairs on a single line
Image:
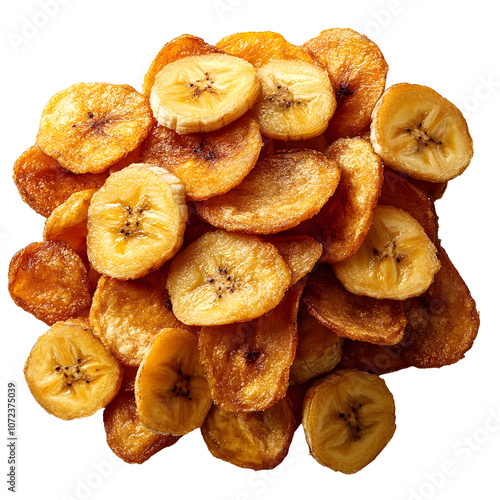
{"points": [[242, 248]]}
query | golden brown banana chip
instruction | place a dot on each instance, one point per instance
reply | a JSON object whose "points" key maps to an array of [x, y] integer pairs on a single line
{"points": [[248, 364], [400, 192], [90, 126], [125, 434], [319, 349], [434, 190], [256, 440], [129, 374], [347, 216], [318, 143], [208, 164], [281, 191], [357, 71], [300, 253], [296, 393], [44, 184], [68, 222], [49, 280], [261, 47], [178, 48], [353, 316], [443, 322], [127, 315]]}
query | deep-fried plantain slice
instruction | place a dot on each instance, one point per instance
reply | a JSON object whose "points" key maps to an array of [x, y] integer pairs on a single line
{"points": [[44, 185], [401, 193], [443, 322], [248, 364], [127, 315], [299, 252], [178, 48], [349, 418], [417, 131], [296, 102], [256, 440], [208, 164], [136, 221], [126, 435], [70, 373], [90, 126], [171, 390], [68, 222], [353, 316], [397, 260], [261, 47], [226, 277], [318, 351], [281, 191], [50, 281], [347, 216], [203, 93], [357, 71], [318, 143]]}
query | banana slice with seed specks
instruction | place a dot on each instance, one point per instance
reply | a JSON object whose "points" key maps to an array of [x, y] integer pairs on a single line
{"points": [[349, 417], [397, 260], [419, 132], [136, 221], [70, 373], [203, 93], [297, 100], [226, 277]]}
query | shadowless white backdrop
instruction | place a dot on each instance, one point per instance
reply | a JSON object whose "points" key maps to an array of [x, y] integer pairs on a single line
{"points": [[447, 442]]}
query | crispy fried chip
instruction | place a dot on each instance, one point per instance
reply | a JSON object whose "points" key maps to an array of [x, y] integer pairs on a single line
{"points": [[125, 434], [281, 191], [318, 143], [434, 190], [401, 193], [178, 48], [90, 126], [208, 164], [353, 316], [296, 393], [347, 216], [248, 364], [49, 280], [127, 315], [254, 440], [129, 374], [443, 322], [261, 47], [357, 71], [44, 185]]}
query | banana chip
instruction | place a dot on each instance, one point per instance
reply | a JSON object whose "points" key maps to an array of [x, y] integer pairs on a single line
{"points": [[281, 191], [248, 364], [50, 281], [125, 434], [208, 164], [353, 316], [254, 440]]}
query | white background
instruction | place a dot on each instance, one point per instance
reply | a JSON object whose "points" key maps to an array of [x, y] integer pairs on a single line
{"points": [[444, 416]]}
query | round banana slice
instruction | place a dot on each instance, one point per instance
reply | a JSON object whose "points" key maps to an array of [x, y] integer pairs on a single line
{"points": [[90, 126], [255, 440], [297, 100], [203, 93], [136, 221], [207, 164], [417, 131], [281, 191], [170, 388], [397, 260], [126, 435], [225, 277], [70, 373], [349, 418], [50, 281], [357, 71], [178, 48]]}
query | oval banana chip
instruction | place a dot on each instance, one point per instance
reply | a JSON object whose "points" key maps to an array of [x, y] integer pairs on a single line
{"points": [[281, 191], [254, 440]]}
